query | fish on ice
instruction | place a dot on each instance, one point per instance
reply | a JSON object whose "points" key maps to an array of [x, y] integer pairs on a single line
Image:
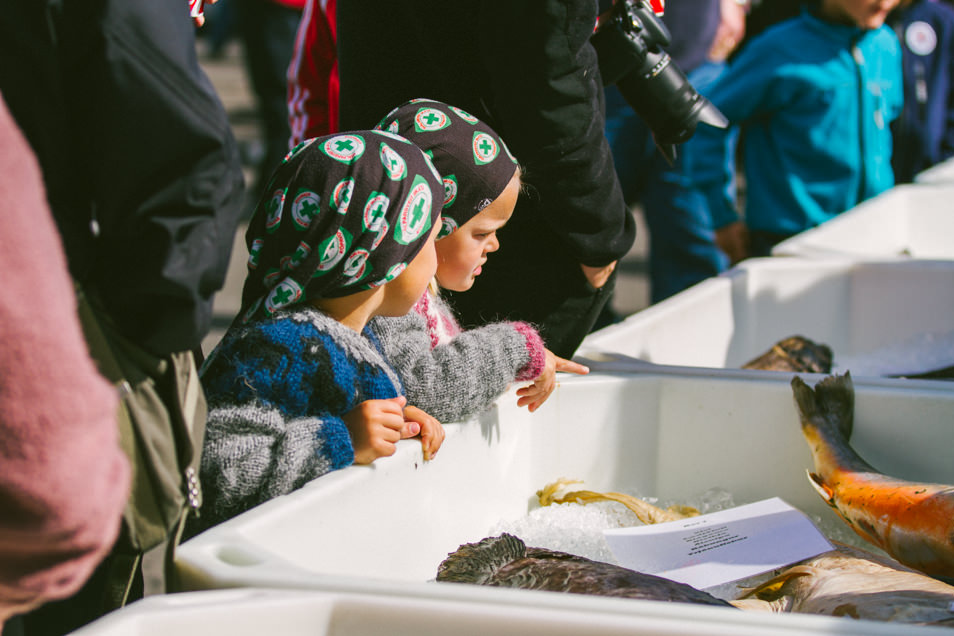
{"points": [[913, 522], [858, 584], [795, 353]]}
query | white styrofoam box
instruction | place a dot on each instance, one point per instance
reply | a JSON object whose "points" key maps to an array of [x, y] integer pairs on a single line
{"points": [[257, 611], [940, 173], [854, 307], [383, 529], [903, 222]]}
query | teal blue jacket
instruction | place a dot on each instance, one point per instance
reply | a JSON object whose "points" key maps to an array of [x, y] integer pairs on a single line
{"points": [[814, 101]]}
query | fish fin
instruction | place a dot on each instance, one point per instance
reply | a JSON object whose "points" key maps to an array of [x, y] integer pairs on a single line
{"points": [[836, 394], [819, 484], [772, 589], [832, 399], [478, 562]]}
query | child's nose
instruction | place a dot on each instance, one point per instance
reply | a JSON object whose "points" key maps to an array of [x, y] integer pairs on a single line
{"points": [[493, 244]]}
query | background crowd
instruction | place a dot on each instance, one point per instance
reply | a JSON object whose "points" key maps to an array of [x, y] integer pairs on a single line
{"points": [[124, 188]]}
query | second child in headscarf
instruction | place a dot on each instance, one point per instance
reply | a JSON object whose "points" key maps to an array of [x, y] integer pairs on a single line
{"points": [[298, 386], [452, 373]]}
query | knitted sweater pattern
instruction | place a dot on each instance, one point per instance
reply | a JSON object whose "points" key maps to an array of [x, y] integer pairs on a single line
{"points": [[454, 374], [277, 391]]}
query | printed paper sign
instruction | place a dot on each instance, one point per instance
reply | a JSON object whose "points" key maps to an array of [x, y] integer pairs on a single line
{"points": [[720, 547]]}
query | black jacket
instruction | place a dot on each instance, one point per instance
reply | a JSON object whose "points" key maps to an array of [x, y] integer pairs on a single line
{"points": [[526, 68], [141, 168]]}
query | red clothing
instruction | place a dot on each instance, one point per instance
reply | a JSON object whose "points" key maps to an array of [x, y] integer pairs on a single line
{"points": [[63, 478], [313, 74]]}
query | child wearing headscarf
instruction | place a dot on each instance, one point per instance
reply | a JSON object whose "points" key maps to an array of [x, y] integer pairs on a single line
{"points": [[449, 372], [298, 386]]}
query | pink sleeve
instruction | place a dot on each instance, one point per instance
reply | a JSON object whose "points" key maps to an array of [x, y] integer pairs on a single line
{"points": [[64, 479], [536, 351]]}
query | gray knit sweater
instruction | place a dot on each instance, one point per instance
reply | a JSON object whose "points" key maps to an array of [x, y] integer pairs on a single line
{"points": [[277, 391], [453, 374]]}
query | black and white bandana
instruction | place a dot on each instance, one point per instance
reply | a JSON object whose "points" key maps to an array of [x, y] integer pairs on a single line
{"points": [[341, 214], [474, 163]]}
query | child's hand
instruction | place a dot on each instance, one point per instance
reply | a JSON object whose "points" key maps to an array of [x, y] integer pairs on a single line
{"points": [[733, 239], [376, 427], [534, 395], [432, 433]]}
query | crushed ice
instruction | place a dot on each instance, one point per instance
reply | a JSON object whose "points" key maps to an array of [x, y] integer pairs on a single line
{"points": [[918, 353], [578, 529]]}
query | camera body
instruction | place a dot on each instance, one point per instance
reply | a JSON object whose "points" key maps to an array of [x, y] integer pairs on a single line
{"points": [[629, 42]]}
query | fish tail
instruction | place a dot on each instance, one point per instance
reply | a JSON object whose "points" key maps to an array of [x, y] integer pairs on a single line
{"points": [[832, 400], [477, 562]]}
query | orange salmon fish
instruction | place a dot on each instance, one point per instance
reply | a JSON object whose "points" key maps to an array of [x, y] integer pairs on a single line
{"points": [[913, 522]]}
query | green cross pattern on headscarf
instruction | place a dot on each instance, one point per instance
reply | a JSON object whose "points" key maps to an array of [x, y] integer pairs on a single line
{"points": [[465, 151], [303, 248]]}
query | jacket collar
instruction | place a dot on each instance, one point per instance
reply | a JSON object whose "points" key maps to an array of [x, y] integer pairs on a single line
{"points": [[841, 33]]}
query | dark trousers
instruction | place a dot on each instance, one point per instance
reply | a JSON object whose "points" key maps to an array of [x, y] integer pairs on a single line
{"points": [[62, 617], [268, 32]]}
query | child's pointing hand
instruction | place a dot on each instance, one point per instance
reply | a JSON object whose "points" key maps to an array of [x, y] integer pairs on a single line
{"points": [[534, 395]]}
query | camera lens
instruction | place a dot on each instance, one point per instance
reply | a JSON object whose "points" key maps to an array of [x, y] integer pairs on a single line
{"points": [[629, 45], [661, 94]]}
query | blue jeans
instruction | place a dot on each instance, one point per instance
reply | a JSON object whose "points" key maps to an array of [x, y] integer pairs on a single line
{"points": [[682, 249]]}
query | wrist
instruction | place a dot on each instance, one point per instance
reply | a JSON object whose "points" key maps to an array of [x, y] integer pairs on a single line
{"points": [[536, 353]]}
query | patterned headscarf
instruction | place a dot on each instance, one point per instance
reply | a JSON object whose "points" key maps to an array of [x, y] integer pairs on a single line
{"points": [[474, 162], [342, 213]]}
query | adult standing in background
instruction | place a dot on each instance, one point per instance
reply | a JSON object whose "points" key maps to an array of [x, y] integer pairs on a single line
{"points": [[267, 30], [682, 247], [924, 133], [313, 74], [144, 181], [528, 70]]}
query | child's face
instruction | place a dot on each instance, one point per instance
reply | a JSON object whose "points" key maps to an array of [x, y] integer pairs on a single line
{"points": [[401, 293], [461, 255], [865, 14]]}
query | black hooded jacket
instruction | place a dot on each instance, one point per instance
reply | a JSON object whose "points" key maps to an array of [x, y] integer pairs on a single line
{"points": [[139, 162], [527, 69]]}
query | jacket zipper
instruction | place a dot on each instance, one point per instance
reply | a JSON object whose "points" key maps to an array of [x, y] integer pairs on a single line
{"points": [[859, 59]]}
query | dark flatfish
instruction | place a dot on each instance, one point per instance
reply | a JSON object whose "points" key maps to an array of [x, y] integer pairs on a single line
{"points": [[505, 561], [795, 353]]}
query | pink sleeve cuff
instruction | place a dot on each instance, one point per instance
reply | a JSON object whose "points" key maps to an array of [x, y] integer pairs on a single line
{"points": [[535, 350]]}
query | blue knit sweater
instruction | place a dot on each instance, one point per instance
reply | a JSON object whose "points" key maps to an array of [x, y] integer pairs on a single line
{"points": [[277, 391]]}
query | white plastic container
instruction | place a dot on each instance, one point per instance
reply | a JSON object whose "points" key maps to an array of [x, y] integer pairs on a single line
{"points": [[903, 222], [940, 173], [857, 308], [253, 612], [383, 529]]}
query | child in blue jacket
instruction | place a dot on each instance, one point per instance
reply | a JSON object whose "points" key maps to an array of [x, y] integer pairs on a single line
{"points": [[814, 97]]}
